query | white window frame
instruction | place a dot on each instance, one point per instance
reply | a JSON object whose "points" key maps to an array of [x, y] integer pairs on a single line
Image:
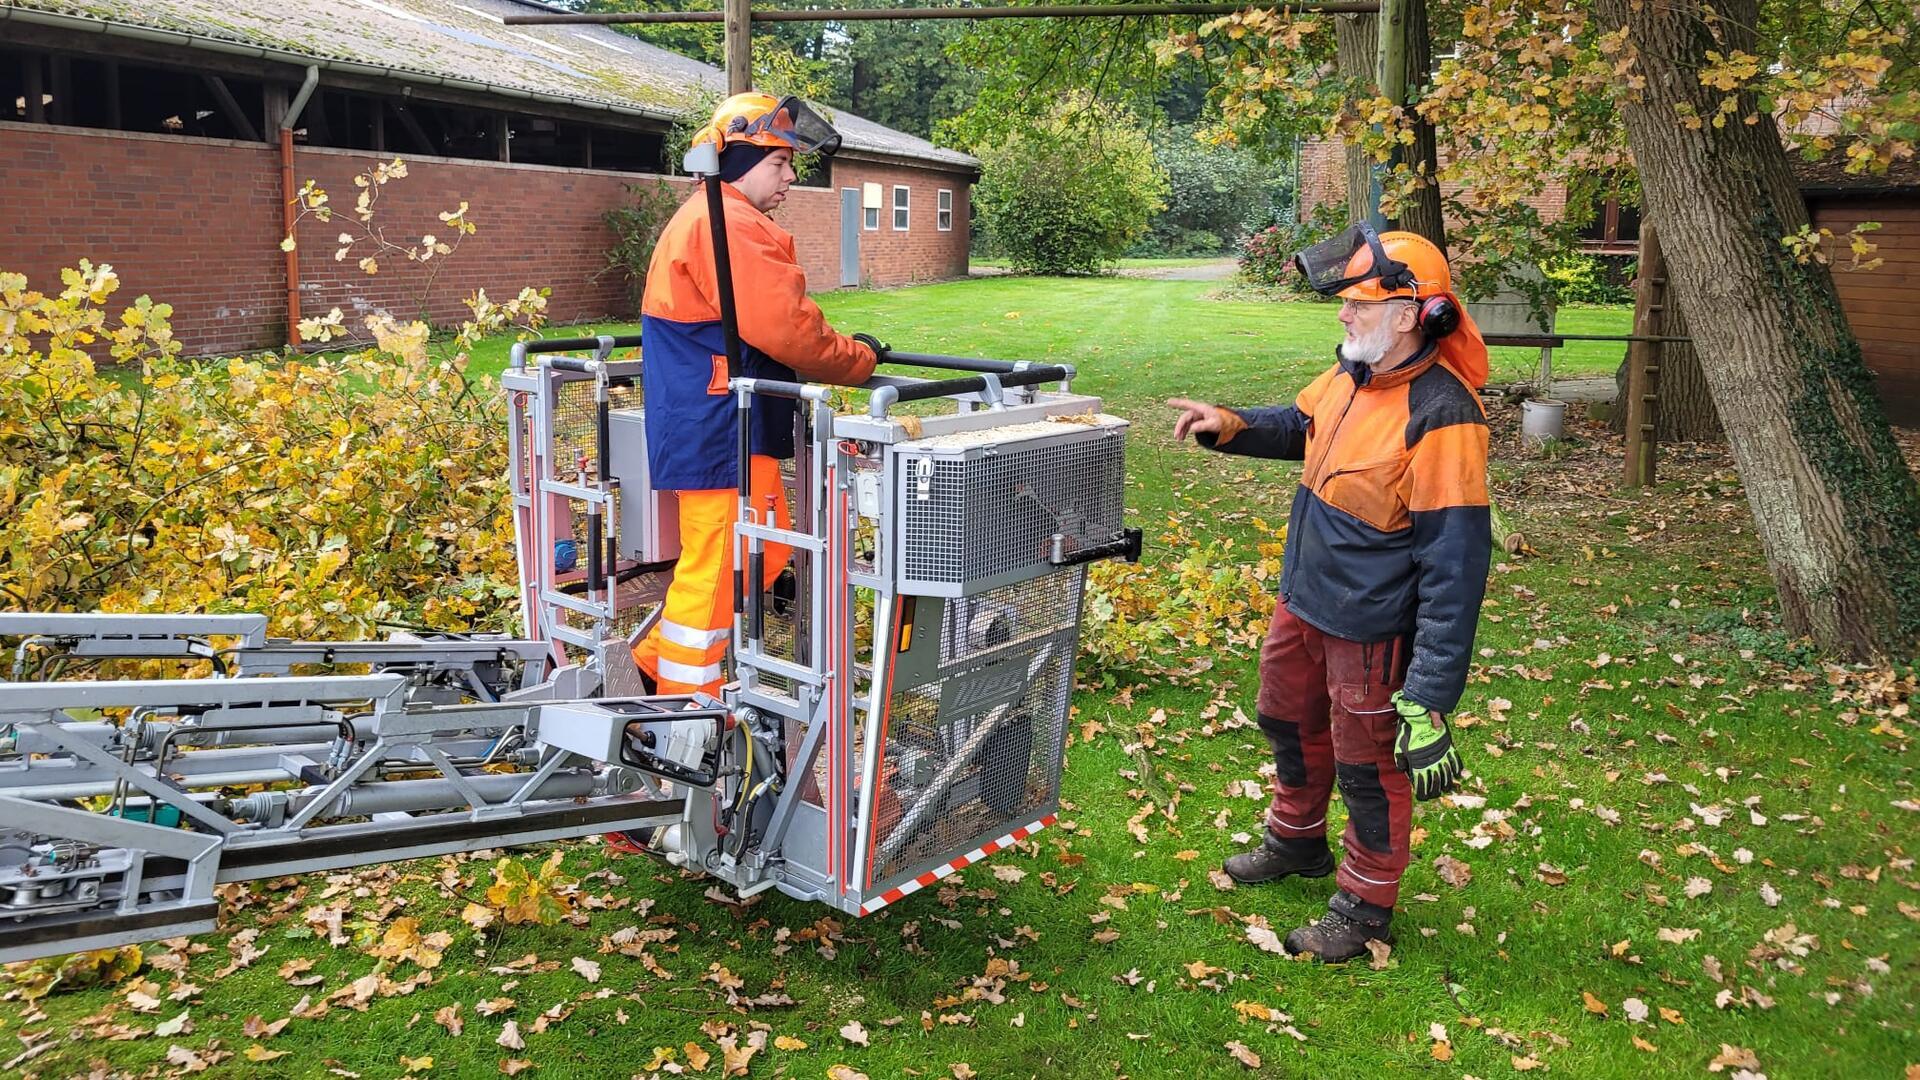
{"points": [[943, 209], [870, 219], [902, 208]]}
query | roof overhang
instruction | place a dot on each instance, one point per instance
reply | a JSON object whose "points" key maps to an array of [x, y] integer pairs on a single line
{"points": [[85, 24], [971, 170]]}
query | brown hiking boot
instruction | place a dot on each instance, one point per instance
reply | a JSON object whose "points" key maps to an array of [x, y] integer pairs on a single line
{"points": [[1276, 858], [1343, 932]]}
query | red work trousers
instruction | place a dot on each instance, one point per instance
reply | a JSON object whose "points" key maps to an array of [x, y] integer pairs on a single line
{"points": [[1326, 709]]}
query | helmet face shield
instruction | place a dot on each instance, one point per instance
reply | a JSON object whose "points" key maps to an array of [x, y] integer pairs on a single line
{"points": [[792, 123], [1349, 258]]}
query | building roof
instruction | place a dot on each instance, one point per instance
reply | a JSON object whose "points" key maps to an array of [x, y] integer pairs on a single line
{"points": [[462, 41]]}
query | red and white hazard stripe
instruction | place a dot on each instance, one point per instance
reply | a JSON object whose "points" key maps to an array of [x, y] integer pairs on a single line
{"points": [[952, 865]]}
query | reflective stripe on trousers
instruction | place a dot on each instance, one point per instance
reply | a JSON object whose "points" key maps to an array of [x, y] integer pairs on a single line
{"points": [[687, 649]]}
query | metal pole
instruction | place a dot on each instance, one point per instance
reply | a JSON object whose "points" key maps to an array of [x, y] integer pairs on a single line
{"points": [[289, 213], [739, 45], [1037, 11]]}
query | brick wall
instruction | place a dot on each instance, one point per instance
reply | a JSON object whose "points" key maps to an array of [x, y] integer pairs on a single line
{"points": [[1323, 176], [196, 223]]}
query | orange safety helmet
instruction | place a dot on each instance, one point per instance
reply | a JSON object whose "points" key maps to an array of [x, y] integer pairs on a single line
{"points": [[1367, 267], [1425, 272], [761, 119], [1360, 264]]}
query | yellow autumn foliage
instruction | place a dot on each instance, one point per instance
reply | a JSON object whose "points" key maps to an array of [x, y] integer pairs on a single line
{"points": [[1155, 617], [329, 493]]}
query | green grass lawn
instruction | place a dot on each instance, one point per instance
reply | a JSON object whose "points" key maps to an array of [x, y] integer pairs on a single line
{"points": [[1669, 810], [1122, 264]]}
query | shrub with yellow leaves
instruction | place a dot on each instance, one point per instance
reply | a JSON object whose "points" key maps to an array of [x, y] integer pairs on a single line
{"points": [[330, 493], [1150, 617]]}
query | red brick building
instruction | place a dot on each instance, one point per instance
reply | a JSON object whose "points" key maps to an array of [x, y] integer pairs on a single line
{"points": [[148, 136]]}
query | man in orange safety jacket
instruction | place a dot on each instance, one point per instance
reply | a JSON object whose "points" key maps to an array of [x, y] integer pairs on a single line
{"points": [[691, 432]]}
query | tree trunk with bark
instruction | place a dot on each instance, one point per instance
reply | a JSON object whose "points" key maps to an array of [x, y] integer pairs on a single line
{"points": [[1686, 411], [1357, 39], [1836, 509]]}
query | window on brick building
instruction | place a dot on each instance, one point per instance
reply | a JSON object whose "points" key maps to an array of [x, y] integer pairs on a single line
{"points": [[943, 210], [872, 223], [901, 194]]}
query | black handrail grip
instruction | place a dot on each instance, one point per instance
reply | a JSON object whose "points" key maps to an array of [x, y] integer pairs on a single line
{"points": [[1126, 546], [973, 384], [952, 363], [581, 344]]}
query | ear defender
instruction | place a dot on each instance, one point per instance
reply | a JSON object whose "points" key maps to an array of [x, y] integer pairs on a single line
{"points": [[1439, 316]]}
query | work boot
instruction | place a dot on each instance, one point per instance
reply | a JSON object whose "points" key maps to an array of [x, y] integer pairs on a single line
{"points": [[1278, 858], [1343, 932]]}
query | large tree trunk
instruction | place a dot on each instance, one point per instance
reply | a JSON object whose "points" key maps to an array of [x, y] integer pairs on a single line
{"points": [[1835, 507], [1357, 38], [1685, 412]]}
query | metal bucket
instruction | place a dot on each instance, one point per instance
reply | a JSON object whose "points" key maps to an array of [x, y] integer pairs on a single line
{"points": [[1541, 419]]}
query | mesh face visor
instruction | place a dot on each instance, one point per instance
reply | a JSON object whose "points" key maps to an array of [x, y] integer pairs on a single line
{"points": [[795, 123], [1346, 260]]}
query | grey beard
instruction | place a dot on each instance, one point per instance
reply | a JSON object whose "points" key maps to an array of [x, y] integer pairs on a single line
{"points": [[1367, 352]]}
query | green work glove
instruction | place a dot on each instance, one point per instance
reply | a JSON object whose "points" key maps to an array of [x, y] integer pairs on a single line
{"points": [[1423, 749]]}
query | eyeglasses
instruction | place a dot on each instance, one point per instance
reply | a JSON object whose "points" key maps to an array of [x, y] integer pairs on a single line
{"points": [[1345, 304]]}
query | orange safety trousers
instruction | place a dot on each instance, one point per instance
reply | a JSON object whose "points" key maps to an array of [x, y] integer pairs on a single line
{"points": [[687, 649]]}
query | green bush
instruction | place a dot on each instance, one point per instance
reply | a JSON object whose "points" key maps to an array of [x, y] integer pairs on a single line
{"points": [[1589, 279], [1212, 187], [636, 227], [1070, 192]]}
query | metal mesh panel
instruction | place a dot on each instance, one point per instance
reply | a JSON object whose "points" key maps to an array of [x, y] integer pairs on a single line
{"points": [[955, 773], [992, 514], [575, 461]]}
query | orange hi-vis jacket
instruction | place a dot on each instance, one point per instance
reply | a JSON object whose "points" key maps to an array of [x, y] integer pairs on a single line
{"points": [[690, 414], [1390, 532]]}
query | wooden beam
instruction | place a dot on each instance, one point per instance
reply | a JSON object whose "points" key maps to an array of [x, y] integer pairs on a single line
{"points": [[502, 137], [236, 116], [379, 127], [419, 134], [1643, 362], [275, 99], [314, 118], [1036, 11], [36, 89], [62, 69], [115, 119], [739, 45]]}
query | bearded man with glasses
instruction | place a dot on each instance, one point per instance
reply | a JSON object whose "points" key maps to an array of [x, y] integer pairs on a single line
{"points": [[1385, 567]]}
